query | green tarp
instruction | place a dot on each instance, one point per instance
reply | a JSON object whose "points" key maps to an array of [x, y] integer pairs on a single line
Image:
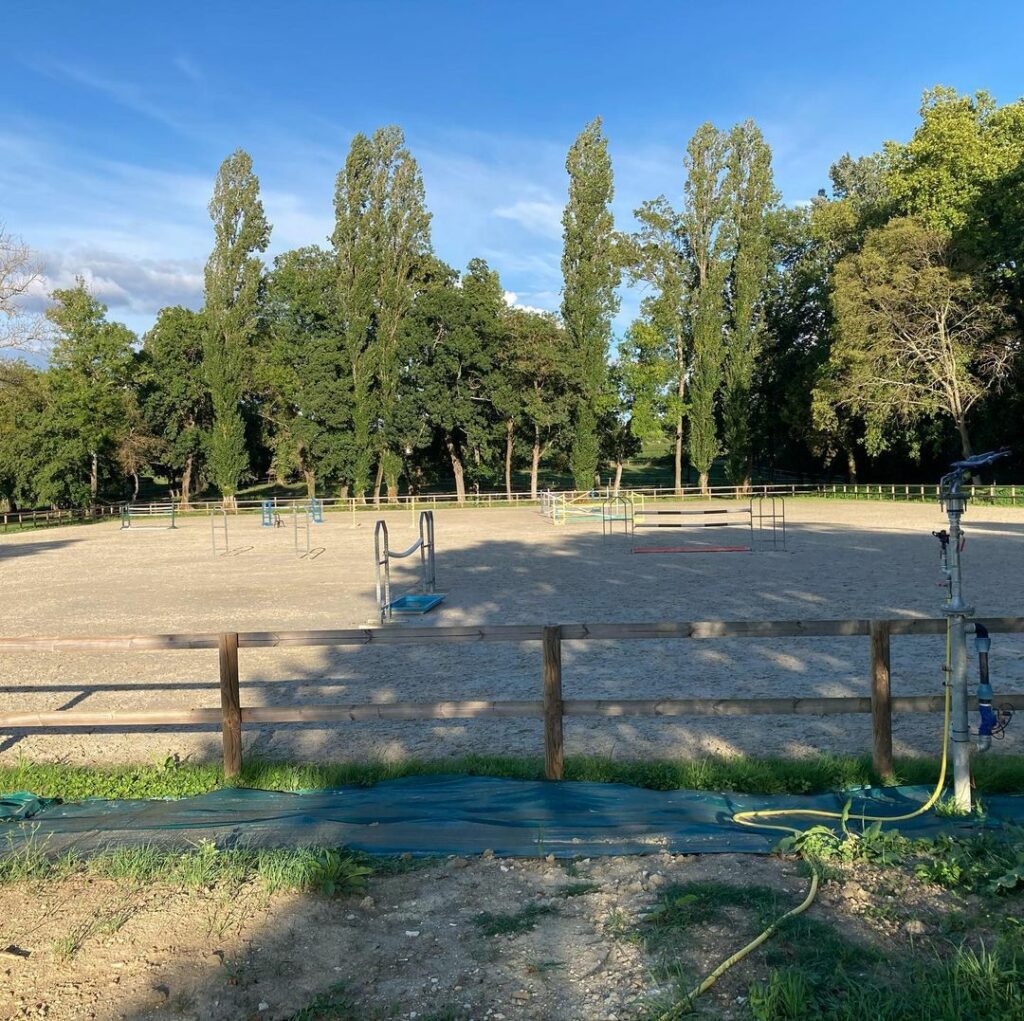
{"points": [[427, 815]]}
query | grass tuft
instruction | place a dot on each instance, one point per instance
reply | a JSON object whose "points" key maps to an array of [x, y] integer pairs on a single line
{"points": [[514, 924], [326, 871]]}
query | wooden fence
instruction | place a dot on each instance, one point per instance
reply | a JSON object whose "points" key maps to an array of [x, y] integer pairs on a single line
{"points": [[552, 707]]}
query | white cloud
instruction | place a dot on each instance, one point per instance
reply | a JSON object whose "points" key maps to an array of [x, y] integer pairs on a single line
{"points": [[138, 288], [538, 217], [512, 300]]}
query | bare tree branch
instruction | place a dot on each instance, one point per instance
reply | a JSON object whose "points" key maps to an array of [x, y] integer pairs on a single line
{"points": [[20, 330]]}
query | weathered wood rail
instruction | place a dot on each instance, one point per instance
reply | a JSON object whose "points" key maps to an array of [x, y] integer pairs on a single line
{"points": [[551, 708]]}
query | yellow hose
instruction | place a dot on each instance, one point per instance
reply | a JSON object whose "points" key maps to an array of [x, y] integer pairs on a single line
{"points": [[750, 819]]}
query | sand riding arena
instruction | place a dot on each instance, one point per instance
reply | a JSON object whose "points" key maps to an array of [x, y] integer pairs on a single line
{"points": [[496, 567]]}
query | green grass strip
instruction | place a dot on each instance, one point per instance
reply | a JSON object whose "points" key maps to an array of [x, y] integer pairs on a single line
{"points": [[995, 774]]}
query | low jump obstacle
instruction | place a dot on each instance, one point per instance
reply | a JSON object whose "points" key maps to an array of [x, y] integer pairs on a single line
{"points": [[130, 516], [269, 518], [427, 598], [763, 518]]}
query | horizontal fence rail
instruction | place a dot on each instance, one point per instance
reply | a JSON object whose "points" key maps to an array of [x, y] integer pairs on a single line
{"points": [[914, 492], [551, 708]]}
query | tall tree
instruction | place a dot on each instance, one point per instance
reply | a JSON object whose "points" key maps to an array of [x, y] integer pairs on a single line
{"points": [[590, 273], [355, 252], [532, 388], [90, 388], [234, 283], [962, 173], [174, 395], [456, 331], [403, 248], [752, 196], [708, 239], [917, 336], [658, 258], [304, 378], [382, 246]]}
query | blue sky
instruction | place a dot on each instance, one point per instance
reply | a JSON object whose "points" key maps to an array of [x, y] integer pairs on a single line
{"points": [[116, 115]]}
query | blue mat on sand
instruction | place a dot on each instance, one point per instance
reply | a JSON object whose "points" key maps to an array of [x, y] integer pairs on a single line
{"points": [[433, 815]]}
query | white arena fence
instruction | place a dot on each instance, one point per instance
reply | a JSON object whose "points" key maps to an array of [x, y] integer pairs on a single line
{"points": [[1011, 495]]}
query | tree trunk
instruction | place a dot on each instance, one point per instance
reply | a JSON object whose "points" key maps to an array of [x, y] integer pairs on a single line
{"points": [[135, 486], [377, 482], [705, 489], [460, 481], [94, 477], [535, 463], [186, 484], [618, 477], [310, 477], [680, 346], [509, 443], [679, 457], [343, 491], [965, 439], [851, 466]]}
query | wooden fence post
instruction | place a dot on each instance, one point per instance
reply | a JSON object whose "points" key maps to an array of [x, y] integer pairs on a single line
{"points": [[881, 699], [230, 704], [553, 755]]}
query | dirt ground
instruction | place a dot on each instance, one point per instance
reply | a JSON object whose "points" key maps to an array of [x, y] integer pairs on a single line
{"points": [[413, 946], [844, 559]]}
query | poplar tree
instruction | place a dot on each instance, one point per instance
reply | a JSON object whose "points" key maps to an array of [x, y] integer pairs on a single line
{"points": [[658, 257], [402, 231], [752, 195], [381, 243], [590, 272], [234, 282], [707, 232]]}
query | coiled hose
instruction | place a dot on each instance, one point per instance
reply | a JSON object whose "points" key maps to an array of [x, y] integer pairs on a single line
{"points": [[752, 819]]}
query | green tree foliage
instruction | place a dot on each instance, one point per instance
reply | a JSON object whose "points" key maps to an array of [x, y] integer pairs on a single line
{"points": [[234, 284], [804, 419], [305, 381], [590, 273], [917, 336], [752, 197], [382, 249], [174, 396], [90, 396], [532, 386], [657, 256], [454, 336], [872, 325], [641, 381], [708, 232], [24, 399], [962, 174]]}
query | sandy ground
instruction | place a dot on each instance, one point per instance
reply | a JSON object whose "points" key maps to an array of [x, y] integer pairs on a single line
{"points": [[844, 559]]}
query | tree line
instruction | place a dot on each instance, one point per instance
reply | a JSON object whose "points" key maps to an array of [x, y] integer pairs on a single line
{"points": [[863, 332]]}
